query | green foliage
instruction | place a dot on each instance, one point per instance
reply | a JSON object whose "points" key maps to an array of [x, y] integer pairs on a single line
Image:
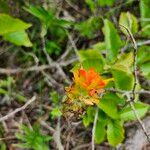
{"points": [[55, 97], [106, 53], [122, 72], [100, 130], [50, 24], [93, 5], [115, 132], [144, 60], [53, 47], [56, 112], [106, 2], [89, 27], [2, 146], [129, 21], [32, 138], [5, 85], [7, 89], [127, 114], [13, 30], [9, 24], [145, 68], [125, 59], [18, 38], [89, 116], [91, 58], [112, 40], [99, 46], [145, 16], [111, 109], [124, 79]]}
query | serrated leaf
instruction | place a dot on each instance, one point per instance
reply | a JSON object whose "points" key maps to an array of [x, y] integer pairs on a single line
{"points": [[115, 132], [9, 24], [109, 105], [129, 21], [112, 40], [124, 79], [127, 113], [19, 38], [91, 59]]}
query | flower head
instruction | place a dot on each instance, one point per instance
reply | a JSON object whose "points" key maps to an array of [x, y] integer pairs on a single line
{"points": [[87, 85]]}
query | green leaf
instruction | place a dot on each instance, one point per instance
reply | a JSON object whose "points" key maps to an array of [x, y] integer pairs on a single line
{"points": [[123, 77], [56, 112], [53, 47], [89, 116], [145, 68], [91, 4], [2, 91], [115, 132], [39, 12], [108, 104], [19, 38], [106, 2], [143, 55], [32, 138], [127, 114], [55, 97], [100, 132], [129, 21], [112, 40], [145, 16], [91, 58], [125, 59], [143, 60], [99, 46], [89, 27], [3, 146], [9, 24]]}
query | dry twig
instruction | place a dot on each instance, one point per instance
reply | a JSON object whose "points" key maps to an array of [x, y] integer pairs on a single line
{"points": [[18, 109], [94, 127], [132, 98]]}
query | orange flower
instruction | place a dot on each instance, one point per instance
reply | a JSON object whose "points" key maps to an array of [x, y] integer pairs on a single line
{"points": [[88, 84]]}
